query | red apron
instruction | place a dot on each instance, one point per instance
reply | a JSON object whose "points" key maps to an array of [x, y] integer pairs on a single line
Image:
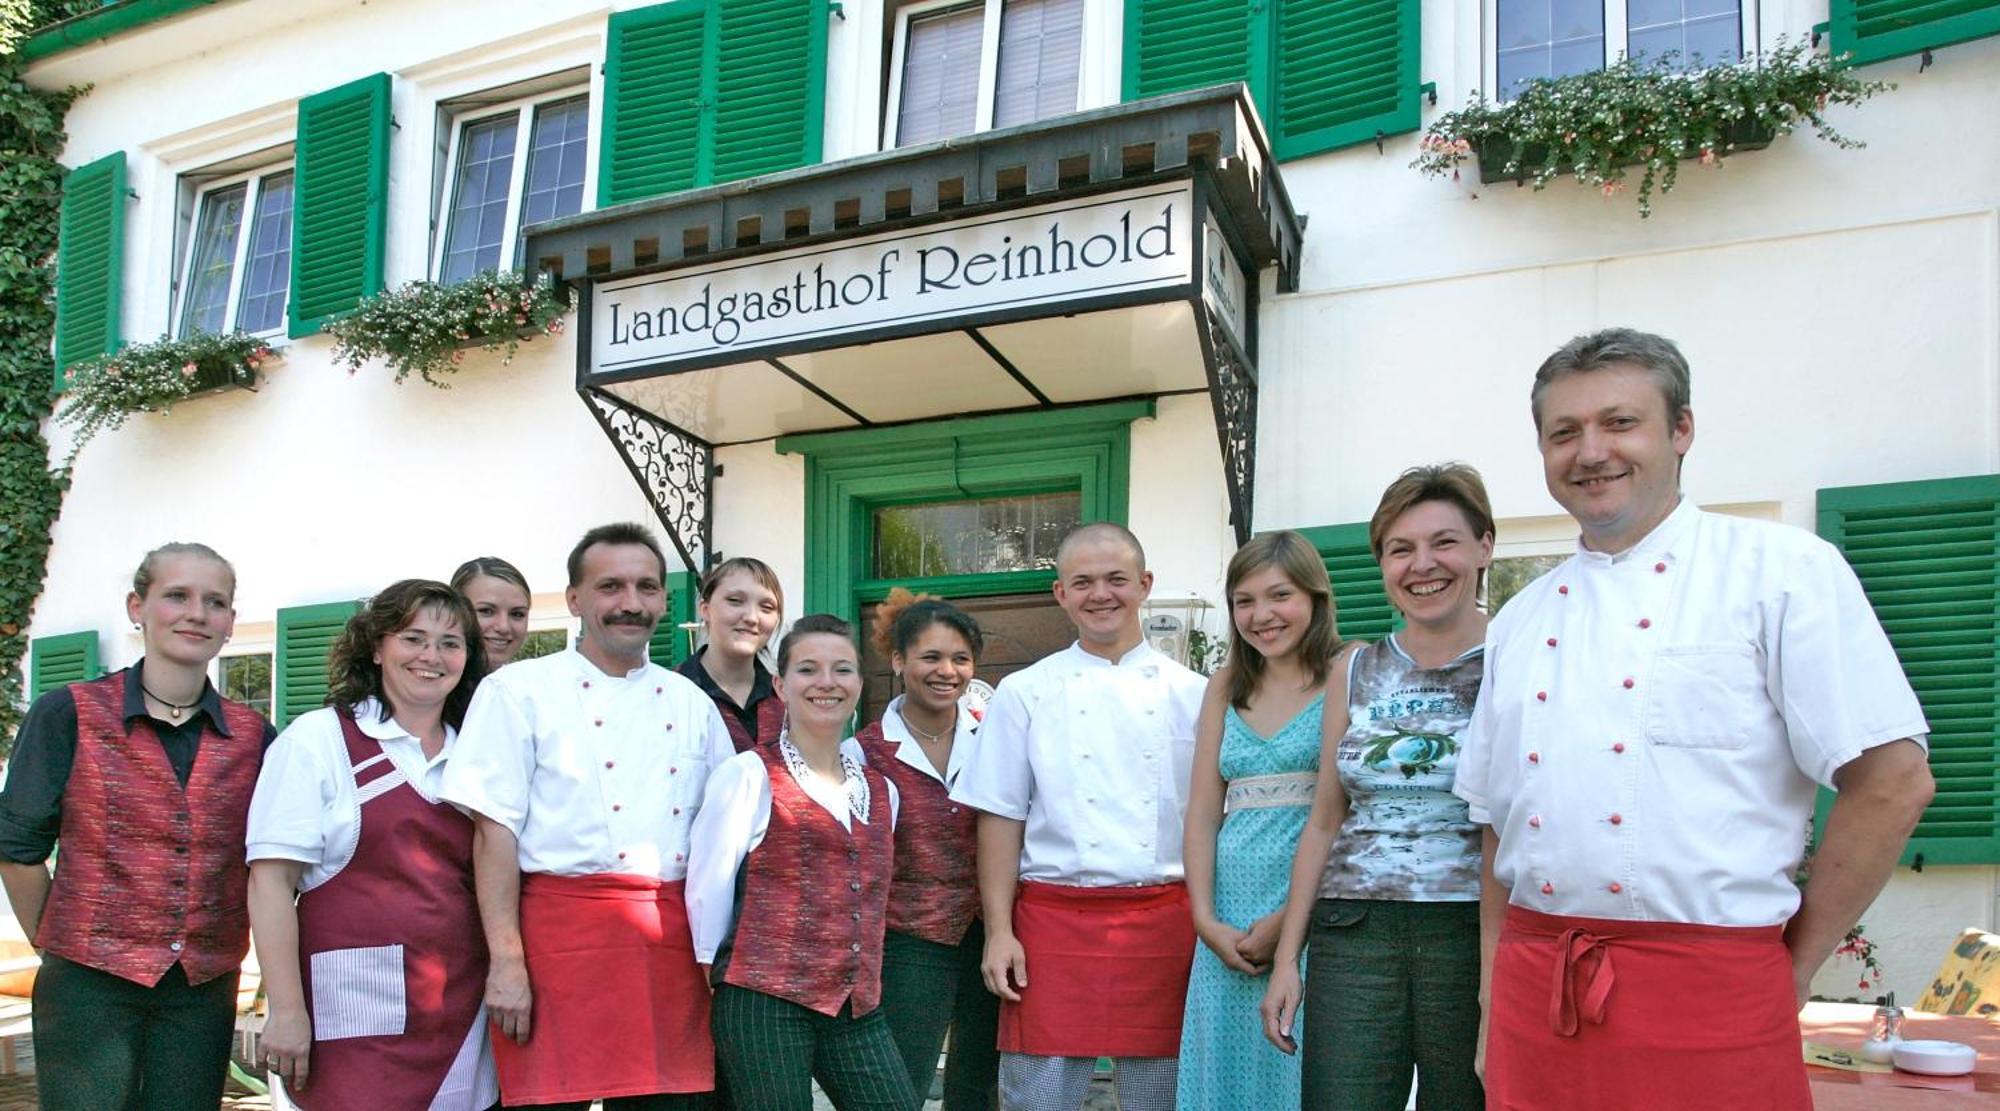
{"points": [[620, 1007], [1107, 971], [388, 1025], [1595, 1013]]}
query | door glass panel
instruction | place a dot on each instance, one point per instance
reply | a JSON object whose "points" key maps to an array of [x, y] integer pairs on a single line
{"points": [[975, 537]]}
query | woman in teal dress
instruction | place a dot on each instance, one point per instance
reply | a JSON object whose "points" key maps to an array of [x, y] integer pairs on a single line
{"points": [[1256, 760]]}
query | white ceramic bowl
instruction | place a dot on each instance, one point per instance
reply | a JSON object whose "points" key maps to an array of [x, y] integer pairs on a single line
{"points": [[1935, 1058]]}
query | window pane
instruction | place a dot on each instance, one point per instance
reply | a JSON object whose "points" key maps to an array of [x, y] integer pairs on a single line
{"points": [[1547, 38], [246, 679], [267, 268], [973, 537], [479, 197], [940, 94], [1511, 573], [211, 259], [555, 160], [1041, 42], [1694, 32]]}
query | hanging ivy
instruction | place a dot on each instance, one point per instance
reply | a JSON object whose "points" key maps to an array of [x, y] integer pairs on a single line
{"points": [[31, 138]]}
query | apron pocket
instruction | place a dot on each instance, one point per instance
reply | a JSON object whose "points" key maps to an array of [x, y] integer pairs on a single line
{"points": [[357, 993]]}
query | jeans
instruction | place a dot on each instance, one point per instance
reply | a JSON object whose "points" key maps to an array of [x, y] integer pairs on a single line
{"points": [[1391, 986], [104, 1042]]}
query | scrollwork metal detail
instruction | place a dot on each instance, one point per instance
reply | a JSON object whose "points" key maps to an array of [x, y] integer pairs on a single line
{"points": [[676, 471], [1232, 388]]}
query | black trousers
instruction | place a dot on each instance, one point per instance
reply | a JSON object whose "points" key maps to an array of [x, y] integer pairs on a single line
{"points": [[929, 988], [664, 1101], [772, 1050], [104, 1043]]}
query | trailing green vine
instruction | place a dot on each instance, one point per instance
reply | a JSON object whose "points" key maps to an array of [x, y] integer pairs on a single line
{"points": [[31, 138]]}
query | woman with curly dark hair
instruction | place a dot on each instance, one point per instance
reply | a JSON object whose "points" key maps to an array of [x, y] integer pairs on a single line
{"points": [[376, 974]]}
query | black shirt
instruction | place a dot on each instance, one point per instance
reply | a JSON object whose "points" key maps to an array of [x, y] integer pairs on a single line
{"points": [[45, 750], [760, 689]]}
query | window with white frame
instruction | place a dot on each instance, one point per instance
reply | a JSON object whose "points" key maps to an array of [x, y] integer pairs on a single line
{"points": [[510, 165], [960, 67], [239, 257], [1530, 39]]}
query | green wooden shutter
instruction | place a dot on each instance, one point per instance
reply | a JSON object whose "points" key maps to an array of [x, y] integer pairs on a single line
{"points": [[1171, 45], [1874, 30], [669, 644], [1928, 556], [89, 263], [61, 660], [1360, 604], [1346, 72], [654, 70], [340, 201], [770, 81], [704, 91], [305, 638]]}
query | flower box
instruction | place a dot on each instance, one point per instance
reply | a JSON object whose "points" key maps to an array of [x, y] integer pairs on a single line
{"points": [[215, 375], [1496, 151]]}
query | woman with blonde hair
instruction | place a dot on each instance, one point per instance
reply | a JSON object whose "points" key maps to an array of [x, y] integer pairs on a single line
{"points": [[1257, 752], [500, 598], [741, 605], [1387, 871]]}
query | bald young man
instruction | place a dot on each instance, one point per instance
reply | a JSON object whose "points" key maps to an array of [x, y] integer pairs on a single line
{"points": [[1080, 769]]}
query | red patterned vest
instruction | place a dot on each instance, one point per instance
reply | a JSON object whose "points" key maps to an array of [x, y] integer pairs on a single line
{"points": [[809, 926], [770, 721], [934, 893], [149, 872]]}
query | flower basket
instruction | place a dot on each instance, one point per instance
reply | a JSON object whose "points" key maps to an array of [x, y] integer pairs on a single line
{"points": [[425, 329], [1598, 127], [1497, 152], [153, 377]]}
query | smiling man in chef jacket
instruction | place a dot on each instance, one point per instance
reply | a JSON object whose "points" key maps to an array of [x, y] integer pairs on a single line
{"points": [[1658, 714], [1081, 769], [584, 770]]}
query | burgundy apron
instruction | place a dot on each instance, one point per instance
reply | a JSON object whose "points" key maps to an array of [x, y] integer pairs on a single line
{"points": [[390, 948]]}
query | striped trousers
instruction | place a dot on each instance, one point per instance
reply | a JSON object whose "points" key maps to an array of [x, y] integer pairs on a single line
{"points": [[771, 1050]]}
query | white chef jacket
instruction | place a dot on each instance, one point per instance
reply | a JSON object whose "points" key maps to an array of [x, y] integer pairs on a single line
{"points": [[1095, 757], [593, 773], [306, 807], [1653, 724], [911, 751], [735, 816]]}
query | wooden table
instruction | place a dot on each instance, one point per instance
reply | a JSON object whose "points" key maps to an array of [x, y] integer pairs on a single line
{"points": [[1846, 1025]]}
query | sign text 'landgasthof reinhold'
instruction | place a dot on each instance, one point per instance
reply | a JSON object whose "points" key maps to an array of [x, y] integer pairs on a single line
{"points": [[1125, 242]]}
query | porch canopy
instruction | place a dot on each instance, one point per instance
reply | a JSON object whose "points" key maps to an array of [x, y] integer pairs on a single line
{"points": [[1106, 254]]}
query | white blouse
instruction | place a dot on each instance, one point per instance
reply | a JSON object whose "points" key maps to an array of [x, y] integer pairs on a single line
{"points": [[593, 773], [911, 752], [1095, 757], [306, 807], [1654, 725], [735, 815]]}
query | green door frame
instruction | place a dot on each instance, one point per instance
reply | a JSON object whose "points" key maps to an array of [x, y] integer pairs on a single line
{"points": [[850, 474]]}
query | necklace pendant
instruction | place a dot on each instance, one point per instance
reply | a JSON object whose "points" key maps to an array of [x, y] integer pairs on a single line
{"points": [[173, 713]]}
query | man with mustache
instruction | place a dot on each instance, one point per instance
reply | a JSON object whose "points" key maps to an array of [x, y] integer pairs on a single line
{"points": [[1658, 715], [584, 770], [1081, 769]]}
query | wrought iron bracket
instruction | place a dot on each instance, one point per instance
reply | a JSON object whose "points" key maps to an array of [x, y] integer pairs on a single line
{"points": [[1232, 390], [675, 470]]}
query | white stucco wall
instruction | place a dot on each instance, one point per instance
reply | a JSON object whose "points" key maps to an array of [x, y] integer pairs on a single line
{"points": [[1841, 310]]}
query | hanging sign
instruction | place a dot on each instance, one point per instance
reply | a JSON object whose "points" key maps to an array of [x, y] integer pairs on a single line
{"points": [[960, 272]]}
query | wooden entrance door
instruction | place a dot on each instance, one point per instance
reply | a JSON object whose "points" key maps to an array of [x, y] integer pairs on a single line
{"points": [[1019, 629]]}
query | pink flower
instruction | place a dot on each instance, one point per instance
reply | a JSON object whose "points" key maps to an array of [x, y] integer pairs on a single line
{"points": [[1708, 156], [188, 370], [555, 327], [1462, 146], [1611, 187]]}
